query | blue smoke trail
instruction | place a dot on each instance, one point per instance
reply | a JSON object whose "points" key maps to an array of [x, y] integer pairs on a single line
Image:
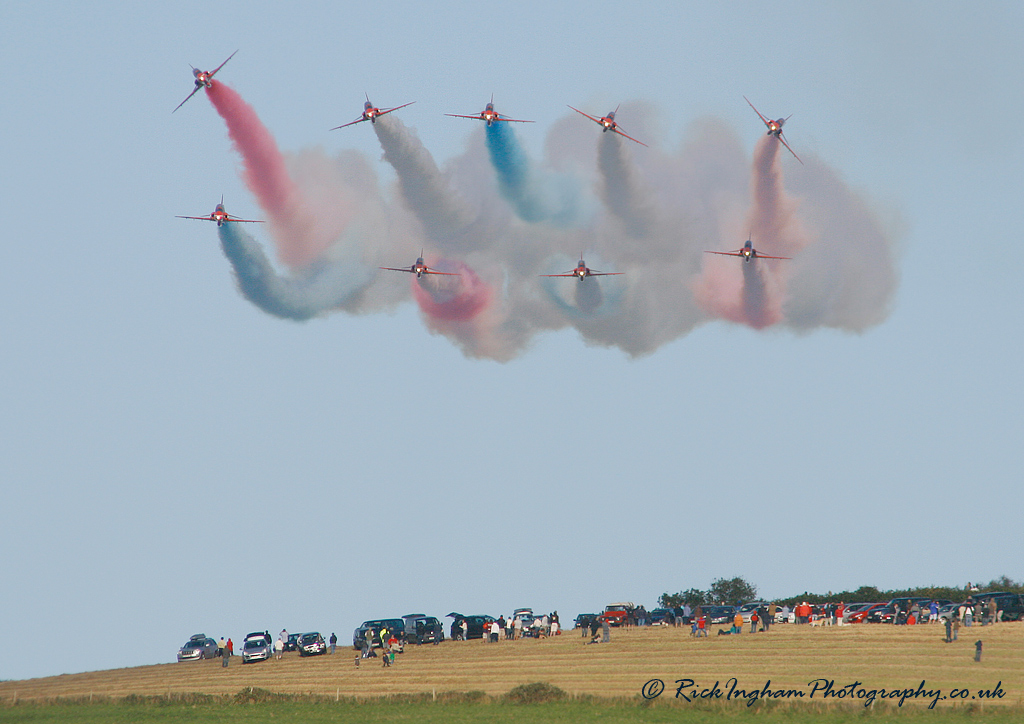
{"points": [[547, 197], [321, 287]]}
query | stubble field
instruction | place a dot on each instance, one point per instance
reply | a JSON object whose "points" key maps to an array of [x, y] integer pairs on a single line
{"points": [[600, 679]]}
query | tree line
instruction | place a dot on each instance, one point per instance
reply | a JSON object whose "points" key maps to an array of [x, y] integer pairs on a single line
{"points": [[734, 591]]}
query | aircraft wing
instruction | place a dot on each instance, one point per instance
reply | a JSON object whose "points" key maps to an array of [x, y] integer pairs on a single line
{"points": [[595, 120], [567, 274], [765, 120], [244, 221], [388, 110], [197, 218], [189, 96], [738, 252], [477, 117], [603, 274], [447, 274], [790, 149], [512, 120], [765, 256], [352, 123], [391, 268], [214, 71], [616, 129]]}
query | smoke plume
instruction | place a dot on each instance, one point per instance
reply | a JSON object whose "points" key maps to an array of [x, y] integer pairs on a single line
{"points": [[502, 221]]}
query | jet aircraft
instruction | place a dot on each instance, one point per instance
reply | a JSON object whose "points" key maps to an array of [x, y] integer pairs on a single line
{"points": [[748, 252], [489, 115], [419, 269], [775, 127], [582, 271], [220, 216], [203, 78], [370, 113], [609, 124]]}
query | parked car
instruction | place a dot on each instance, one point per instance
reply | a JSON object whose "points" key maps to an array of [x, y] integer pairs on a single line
{"points": [[881, 614], [198, 647], [312, 644], [748, 608], [423, 629], [394, 626], [474, 625], [617, 614], [292, 644], [948, 611], [907, 602], [719, 614], [1011, 604], [861, 615], [256, 647], [850, 609], [662, 616], [584, 619]]}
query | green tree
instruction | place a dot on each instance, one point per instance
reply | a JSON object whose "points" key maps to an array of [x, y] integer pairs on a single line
{"points": [[732, 590], [692, 597]]}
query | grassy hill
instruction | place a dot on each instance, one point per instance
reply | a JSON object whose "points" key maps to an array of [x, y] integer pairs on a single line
{"points": [[788, 658]]}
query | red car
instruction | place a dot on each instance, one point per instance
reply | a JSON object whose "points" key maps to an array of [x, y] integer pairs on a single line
{"points": [[861, 615], [616, 614]]}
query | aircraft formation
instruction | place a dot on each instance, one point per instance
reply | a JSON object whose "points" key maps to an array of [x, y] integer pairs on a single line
{"points": [[204, 79], [499, 232]]}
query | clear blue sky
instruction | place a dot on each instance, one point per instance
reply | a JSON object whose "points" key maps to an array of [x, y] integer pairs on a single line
{"points": [[174, 461]]}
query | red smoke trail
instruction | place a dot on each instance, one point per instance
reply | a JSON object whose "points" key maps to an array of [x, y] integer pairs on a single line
{"points": [[266, 175], [755, 299], [463, 300]]}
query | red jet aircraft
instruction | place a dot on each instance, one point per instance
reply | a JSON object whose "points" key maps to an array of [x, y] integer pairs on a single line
{"points": [[220, 216], [370, 113], [775, 127], [582, 271], [489, 115], [203, 78], [419, 269], [609, 123], [748, 252]]}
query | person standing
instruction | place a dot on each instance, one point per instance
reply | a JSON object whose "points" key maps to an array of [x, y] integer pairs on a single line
{"points": [[949, 629], [334, 641], [231, 647], [517, 628], [933, 612], [737, 623], [221, 643], [993, 609], [225, 654], [279, 648], [606, 631], [753, 621]]}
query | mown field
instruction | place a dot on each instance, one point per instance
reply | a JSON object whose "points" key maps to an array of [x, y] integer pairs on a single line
{"points": [[468, 681]]}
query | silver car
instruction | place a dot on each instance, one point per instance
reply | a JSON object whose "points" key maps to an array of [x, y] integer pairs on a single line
{"points": [[256, 648], [198, 647]]}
